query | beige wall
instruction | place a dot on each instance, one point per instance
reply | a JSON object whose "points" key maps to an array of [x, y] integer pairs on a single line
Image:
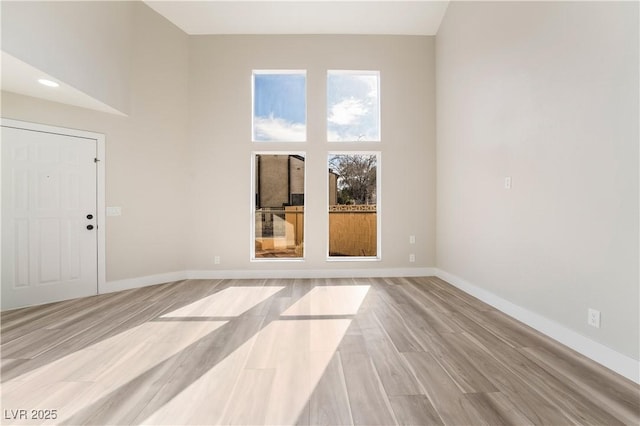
{"points": [[146, 151], [546, 93], [221, 147]]}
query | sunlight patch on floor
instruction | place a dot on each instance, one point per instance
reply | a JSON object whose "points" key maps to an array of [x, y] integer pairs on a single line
{"points": [[230, 302], [267, 380], [81, 378], [330, 300]]}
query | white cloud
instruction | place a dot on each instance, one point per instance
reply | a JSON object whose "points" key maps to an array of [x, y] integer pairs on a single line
{"points": [[278, 130], [372, 82], [347, 111]]}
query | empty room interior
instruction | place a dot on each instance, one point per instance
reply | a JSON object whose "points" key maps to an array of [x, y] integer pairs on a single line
{"points": [[320, 212]]}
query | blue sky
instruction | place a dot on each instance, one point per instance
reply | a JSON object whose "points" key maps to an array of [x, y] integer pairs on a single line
{"points": [[352, 106], [280, 107]]}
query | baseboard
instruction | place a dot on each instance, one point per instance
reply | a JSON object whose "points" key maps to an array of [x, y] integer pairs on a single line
{"points": [[615, 361], [311, 273], [131, 283]]}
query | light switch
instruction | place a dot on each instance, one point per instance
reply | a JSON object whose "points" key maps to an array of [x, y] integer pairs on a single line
{"points": [[114, 211]]}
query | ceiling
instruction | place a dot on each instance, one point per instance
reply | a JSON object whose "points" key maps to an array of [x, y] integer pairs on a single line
{"points": [[417, 17]]}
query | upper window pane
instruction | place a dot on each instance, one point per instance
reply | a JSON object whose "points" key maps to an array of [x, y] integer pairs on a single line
{"points": [[353, 106], [279, 106]]}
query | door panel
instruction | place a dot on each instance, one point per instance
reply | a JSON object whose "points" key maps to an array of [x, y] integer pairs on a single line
{"points": [[48, 189]]}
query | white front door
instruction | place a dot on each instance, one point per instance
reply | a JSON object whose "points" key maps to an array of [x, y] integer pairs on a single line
{"points": [[49, 211]]}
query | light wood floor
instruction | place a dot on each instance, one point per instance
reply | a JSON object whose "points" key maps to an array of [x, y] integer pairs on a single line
{"points": [[311, 352]]}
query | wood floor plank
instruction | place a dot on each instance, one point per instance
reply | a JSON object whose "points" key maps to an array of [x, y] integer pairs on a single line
{"points": [[248, 405], [329, 403], [394, 373], [353, 341], [618, 396], [445, 396], [22, 321], [443, 287], [34, 343], [296, 376], [395, 327], [462, 371], [413, 410], [420, 291], [495, 409], [556, 392], [517, 390], [368, 401]]}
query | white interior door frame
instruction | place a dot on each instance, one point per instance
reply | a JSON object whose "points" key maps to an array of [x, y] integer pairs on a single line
{"points": [[100, 183]]}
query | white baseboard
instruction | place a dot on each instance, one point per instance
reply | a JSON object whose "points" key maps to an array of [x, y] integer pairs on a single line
{"points": [[131, 283], [620, 363], [311, 273]]}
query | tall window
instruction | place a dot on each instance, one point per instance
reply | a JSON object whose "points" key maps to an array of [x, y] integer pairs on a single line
{"points": [[354, 196], [353, 106], [279, 106], [278, 178], [279, 188]]}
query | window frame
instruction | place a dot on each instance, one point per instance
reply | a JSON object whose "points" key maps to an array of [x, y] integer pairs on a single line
{"points": [[252, 232], [378, 256]]}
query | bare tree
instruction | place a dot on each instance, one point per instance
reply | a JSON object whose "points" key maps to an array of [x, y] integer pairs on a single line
{"points": [[357, 178]]}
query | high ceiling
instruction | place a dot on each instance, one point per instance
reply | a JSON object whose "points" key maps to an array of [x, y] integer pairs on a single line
{"points": [[418, 17]]}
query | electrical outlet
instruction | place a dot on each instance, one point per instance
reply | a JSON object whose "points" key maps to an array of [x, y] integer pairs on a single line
{"points": [[507, 182], [412, 239], [593, 318], [216, 260], [412, 258]]}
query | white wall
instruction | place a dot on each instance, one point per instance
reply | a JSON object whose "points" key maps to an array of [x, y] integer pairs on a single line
{"points": [[145, 152], [220, 139], [84, 43], [547, 93]]}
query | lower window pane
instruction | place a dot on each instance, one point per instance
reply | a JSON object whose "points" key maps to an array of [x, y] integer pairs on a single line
{"points": [[279, 206], [353, 205]]}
